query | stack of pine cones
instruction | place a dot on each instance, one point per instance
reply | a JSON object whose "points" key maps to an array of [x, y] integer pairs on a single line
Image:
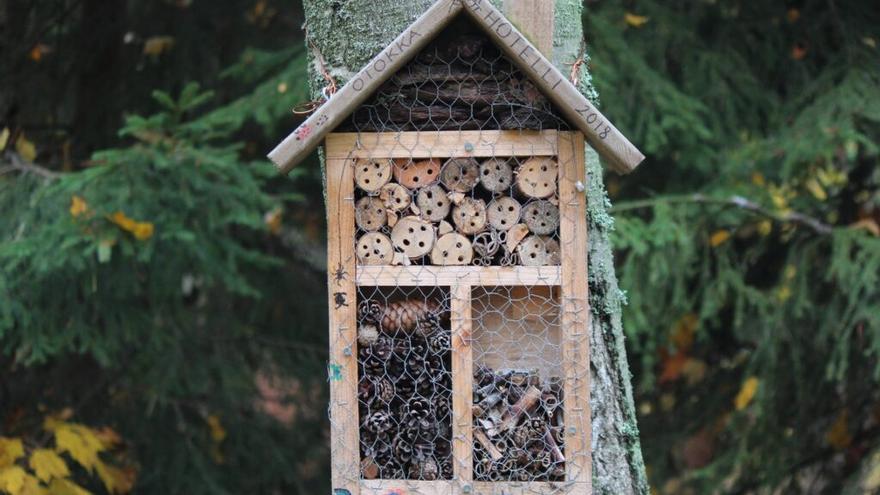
{"points": [[405, 390]]}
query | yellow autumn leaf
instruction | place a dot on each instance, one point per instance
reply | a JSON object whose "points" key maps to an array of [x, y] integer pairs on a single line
{"points": [[758, 179], [143, 231], [777, 195], [60, 486], [46, 464], [746, 393], [32, 486], [80, 442], [78, 206], [838, 435], [783, 293], [816, 189], [25, 148], [4, 138], [140, 230], [719, 238], [11, 449], [218, 433], [765, 227], [12, 479], [156, 45], [635, 20], [116, 480]]}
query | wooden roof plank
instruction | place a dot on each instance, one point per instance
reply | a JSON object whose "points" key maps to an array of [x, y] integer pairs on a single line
{"points": [[310, 133], [610, 143]]}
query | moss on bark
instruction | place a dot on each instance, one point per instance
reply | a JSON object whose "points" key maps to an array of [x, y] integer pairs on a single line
{"points": [[347, 34]]}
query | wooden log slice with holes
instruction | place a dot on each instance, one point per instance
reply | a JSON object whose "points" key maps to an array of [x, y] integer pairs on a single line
{"points": [[503, 213], [371, 175], [452, 249], [496, 175], [538, 251], [395, 197], [413, 237], [374, 249], [369, 214], [460, 174], [542, 217], [433, 203], [536, 177], [414, 175], [470, 216]]}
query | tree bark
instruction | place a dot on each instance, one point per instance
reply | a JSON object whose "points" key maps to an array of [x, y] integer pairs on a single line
{"points": [[347, 34]]}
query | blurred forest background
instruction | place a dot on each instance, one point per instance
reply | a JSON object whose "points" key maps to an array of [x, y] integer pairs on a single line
{"points": [[162, 300]]}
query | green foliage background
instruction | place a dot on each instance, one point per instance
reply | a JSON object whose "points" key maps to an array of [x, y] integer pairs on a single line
{"points": [[744, 242]]}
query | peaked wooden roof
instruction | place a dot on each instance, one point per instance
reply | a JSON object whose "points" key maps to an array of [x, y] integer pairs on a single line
{"points": [[611, 145]]}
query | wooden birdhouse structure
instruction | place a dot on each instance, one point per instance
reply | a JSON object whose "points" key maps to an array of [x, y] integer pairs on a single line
{"points": [[457, 259]]}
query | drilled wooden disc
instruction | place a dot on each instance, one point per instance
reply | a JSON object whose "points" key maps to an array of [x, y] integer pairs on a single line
{"points": [[452, 249], [460, 174], [433, 203], [371, 175], [536, 177], [470, 216], [496, 175], [413, 237], [541, 216], [395, 197], [414, 175], [369, 214], [374, 249], [503, 213], [538, 251]]}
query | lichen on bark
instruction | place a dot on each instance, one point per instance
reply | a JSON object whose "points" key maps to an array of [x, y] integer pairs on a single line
{"points": [[347, 34]]}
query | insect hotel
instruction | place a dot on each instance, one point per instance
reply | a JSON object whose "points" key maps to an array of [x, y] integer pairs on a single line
{"points": [[457, 259]]}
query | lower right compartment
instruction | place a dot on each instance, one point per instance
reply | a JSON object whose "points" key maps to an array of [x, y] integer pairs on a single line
{"points": [[518, 396]]}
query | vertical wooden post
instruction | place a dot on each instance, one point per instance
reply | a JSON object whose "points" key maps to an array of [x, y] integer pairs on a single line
{"points": [[535, 19], [462, 385], [575, 308], [342, 364]]}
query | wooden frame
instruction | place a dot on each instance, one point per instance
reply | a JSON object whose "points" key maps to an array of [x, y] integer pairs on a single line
{"points": [[344, 277]]}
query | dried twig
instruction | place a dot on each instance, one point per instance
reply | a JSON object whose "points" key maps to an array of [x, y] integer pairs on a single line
{"points": [[815, 224]]}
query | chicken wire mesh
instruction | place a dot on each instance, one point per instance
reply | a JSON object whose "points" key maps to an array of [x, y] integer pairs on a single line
{"points": [[455, 196]]}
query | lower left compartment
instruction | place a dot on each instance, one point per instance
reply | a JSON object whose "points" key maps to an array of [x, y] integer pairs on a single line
{"points": [[404, 383]]}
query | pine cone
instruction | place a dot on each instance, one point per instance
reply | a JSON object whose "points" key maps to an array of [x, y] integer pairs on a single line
{"points": [[402, 448], [405, 315], [383, 390], [440, 342], [370, 311], [379, 422], [426, 469]]}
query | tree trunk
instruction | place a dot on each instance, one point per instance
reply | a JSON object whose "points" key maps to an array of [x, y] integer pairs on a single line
{"points": [[347, 34]]}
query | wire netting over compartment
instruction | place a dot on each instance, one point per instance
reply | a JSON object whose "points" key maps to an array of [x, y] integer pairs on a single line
{"points": [[456, 204]]}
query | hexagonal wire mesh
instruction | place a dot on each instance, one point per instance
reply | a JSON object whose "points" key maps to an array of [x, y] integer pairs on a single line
{"points": [[419, 206]]}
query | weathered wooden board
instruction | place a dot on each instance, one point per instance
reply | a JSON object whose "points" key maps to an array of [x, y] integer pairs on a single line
{"points": [[342, 365], [386, 487], [430, 276], [535, 19], [441, 144], [610, 143], [575, 307], [309, 134], [462, 384]]}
